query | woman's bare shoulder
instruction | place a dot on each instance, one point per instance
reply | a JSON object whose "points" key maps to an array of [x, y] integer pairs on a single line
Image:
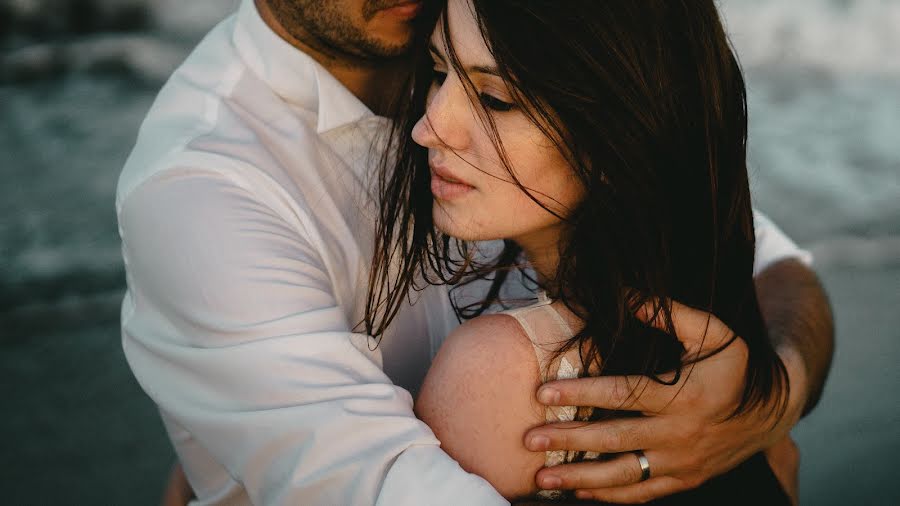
{"points": [[498, 337], [479, 398]]}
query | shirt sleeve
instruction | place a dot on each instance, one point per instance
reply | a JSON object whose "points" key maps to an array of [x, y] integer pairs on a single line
{"points": [[232, 327], [772, 245]]}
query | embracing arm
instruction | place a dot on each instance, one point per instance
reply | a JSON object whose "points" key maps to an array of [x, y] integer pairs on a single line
{"points": [[798, 317], [232, 326], [797, 312], [799, 322]]}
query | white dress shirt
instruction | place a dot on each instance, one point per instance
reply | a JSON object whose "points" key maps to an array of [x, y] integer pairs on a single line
{"points": [[247, 230]]}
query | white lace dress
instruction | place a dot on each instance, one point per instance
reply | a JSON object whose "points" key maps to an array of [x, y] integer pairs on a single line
{"points": [[548, 330]]}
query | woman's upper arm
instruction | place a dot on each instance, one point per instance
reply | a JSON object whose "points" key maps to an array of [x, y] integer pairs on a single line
{"points": [[479, 399]]}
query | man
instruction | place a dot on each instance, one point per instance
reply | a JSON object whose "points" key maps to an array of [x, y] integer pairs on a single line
{"points": [[246, 222]]}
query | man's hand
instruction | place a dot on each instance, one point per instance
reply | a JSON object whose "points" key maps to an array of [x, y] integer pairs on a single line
{"points": [[784, 459], [178, 491], [686, 434]]}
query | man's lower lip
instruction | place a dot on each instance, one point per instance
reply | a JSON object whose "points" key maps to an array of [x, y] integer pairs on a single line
{"points": [[405, 11], [447, 190]]}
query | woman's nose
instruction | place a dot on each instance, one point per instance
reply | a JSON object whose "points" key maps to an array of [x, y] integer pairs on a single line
{"points": [[444, 123]]}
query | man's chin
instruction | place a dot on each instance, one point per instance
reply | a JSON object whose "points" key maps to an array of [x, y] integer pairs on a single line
{"points": [[391, 43]]}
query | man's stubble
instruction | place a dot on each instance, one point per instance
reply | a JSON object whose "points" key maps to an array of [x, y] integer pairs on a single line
{"points": [[330, 26]]}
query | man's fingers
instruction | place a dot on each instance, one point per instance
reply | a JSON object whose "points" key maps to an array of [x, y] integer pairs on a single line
{"points": [[639, 493], [698, 330], [613, 436], [630, 393], [622, 470]]}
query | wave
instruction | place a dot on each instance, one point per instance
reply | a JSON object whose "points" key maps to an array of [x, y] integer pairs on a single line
{"points": [[840, 36], [139, 38], [68, 296], [857, 252], [844, 37], [145, 58], [60, 18], [21, 322], [70, 283], [52, 19]]}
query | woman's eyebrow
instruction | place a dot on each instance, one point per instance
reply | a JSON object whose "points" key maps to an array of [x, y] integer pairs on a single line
{"points": [[484, 69], [481, 69]]}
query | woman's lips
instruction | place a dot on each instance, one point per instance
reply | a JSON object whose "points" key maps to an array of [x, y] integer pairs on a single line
{"points": [[445, 187]]}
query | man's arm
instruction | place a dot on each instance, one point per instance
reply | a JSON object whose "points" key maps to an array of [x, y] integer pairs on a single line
{"points": [[799, 319], [232, 326], [683, 435]]}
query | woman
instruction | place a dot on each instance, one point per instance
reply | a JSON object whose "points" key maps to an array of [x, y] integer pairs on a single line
{"points": [[605, 144]]}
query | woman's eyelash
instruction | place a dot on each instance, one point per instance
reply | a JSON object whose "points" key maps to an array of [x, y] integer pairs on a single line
{"points": [[489, 101], [495, 103]]}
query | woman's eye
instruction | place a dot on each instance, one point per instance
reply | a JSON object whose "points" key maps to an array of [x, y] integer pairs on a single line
{"points": [[439, 77], [495, 103]]}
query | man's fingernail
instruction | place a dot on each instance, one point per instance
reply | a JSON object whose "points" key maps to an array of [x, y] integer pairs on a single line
{"points": [[538, 443], [549, 482], [548, 395], [583, 494]]}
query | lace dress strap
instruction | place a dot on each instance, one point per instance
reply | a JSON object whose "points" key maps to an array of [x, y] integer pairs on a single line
{"points": [[548, 330], [526, 318]]}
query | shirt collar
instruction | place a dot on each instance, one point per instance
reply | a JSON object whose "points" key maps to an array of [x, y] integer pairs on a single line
{"points": [[292, 74]]}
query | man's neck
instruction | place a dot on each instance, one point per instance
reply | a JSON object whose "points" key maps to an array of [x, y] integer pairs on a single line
{"points": [[372, 84]]}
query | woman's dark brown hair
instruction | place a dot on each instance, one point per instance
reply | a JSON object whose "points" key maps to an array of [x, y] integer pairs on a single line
{"points": [[647, 102]]}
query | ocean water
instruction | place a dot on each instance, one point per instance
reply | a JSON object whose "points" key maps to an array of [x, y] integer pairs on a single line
{"points": [[77, 76]]}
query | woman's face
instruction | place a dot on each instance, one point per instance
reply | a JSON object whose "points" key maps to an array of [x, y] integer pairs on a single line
{"points": [[475, 197]]}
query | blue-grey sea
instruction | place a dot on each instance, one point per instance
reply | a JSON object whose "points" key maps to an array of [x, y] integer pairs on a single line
{"points": [[77, 76]]}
